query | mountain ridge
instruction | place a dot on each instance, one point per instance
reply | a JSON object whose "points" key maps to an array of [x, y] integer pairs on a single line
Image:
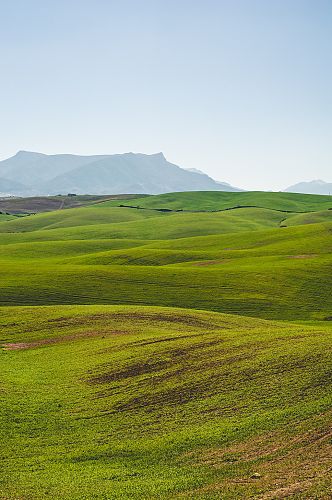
{"points": [[316, 186], [42, 174]]}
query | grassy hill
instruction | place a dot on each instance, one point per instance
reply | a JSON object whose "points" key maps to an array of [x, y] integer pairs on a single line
{"points": [[128, 223], [5, 217], [168, 354], [136, 402], [212, 200], [241, 261]]}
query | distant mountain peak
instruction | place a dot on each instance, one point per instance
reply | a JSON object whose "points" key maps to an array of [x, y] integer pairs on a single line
{"points": [[317, 181], [160, 155], [23, 152], [317, 186], [102, 174]]}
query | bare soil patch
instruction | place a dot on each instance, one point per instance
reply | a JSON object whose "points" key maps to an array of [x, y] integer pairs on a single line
{"points": [[287, 466], [9, 346]]}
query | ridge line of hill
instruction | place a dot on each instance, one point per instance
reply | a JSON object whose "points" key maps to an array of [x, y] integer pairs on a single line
{"points": [[219, 210]]}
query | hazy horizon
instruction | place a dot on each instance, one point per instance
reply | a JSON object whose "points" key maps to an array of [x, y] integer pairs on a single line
{"points": [[239, 90], [156, 152]]}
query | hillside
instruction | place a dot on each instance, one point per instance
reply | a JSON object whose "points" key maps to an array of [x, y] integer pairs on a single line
{"points": [[100, 175], [244, 261], [103, 402], [177, 350], [39, 204], [213, 201], [11, 186]]}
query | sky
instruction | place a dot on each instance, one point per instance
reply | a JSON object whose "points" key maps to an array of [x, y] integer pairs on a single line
{"points": [[241, 89]]}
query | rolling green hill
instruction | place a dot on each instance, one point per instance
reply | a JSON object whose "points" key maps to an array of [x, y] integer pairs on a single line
{"points": [[5, 217], [128, 223], [136, 402], [212, 200], [309, 218], [168, 354], [239, 261], [75, 217]]}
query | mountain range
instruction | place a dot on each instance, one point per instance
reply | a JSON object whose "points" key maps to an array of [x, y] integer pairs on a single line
{"points": [[312, 187], [37, 174], [28, 173]]}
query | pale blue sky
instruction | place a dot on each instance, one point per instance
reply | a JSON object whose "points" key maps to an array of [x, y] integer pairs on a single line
{"points": [[241, 89]]}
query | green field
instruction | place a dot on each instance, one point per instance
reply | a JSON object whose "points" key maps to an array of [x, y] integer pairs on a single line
{"points": [[205, 200], [177, 350], [5, 217]]}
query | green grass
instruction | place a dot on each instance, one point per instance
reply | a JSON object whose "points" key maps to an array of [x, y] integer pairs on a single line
{"points": [[75, 217], [300, 288], [5, 217], [273, 273], [131, 402], [309, 218], [221, 200], [149, 227], [156, 355]]}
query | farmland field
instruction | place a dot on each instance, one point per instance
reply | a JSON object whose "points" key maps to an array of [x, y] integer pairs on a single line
{"points": [[170, 346]]}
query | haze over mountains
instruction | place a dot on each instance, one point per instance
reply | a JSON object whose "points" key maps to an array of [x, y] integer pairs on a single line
{"points": [[312, 187], [36, 174], [29, 173]]}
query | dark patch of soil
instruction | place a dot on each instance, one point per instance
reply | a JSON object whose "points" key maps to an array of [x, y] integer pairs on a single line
{"points": [[134, 370], [8, 346]]}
